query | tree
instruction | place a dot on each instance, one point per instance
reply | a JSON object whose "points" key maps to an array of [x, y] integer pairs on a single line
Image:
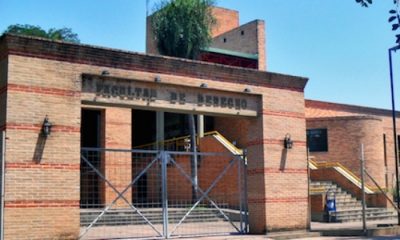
{"points": [[364, 3], [183, 27], [62, 34], [394, 17]]}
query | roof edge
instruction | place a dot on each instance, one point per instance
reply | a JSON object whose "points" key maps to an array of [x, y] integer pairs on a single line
{"points": [[348, 107], [110, 57]]}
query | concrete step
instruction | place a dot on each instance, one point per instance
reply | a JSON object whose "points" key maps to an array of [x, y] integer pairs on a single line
{"points": [[349, 209], [125, 217], [319, 183], [367, 210], [371, 214], [350, 206], [369, 218]]}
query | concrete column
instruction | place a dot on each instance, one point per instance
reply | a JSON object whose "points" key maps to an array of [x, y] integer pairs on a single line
{"points": [[200, 125], [160, 137]]}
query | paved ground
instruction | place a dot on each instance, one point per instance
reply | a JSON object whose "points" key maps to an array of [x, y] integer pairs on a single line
{"points": [[145, 231], [316, 226], [313, 238]]}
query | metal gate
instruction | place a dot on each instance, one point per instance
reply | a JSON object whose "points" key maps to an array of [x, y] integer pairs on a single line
{"points": [[161, 194]]}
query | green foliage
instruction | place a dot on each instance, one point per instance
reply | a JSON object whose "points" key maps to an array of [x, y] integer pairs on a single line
{"points": [[62, 34], [182, 27], [394, 17], [365, 3]]}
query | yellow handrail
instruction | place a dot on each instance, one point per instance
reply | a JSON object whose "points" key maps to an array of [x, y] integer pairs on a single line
{"points": [[319, 165], [178, 139], [226, 141]]}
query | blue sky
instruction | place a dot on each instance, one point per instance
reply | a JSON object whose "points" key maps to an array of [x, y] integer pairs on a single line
{"points": [[339, 46]]}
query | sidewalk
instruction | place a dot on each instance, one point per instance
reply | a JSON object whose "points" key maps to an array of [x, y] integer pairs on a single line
{"points": [[334, 228]]}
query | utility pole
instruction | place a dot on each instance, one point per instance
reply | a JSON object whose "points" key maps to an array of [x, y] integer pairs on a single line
{"points": [[396, 157]]}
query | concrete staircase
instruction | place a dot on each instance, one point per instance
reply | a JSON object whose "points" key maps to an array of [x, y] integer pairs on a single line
{"points": [[117, 217], [349, 209]]}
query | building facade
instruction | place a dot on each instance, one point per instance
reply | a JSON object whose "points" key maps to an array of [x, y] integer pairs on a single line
{"points": [[64, 82], [100, 98]]}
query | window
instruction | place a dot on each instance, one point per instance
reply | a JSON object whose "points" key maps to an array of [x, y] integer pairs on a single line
{"points": [[317, 140]]}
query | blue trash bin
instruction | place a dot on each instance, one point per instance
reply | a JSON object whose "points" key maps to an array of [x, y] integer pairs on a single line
{"points": [[330, 206]]}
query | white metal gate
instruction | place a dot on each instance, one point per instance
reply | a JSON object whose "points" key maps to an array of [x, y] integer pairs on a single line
{"points": [[161, 194]]}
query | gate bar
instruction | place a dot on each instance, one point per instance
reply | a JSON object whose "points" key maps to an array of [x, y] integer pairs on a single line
{"points": [[240, 194], [246, 206], [164, 188]]}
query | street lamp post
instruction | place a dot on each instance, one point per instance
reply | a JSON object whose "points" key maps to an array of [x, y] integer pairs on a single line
{"points": [[396, 157]]}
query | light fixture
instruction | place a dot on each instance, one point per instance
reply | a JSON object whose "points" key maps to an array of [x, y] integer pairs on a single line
{"points": [[247, 90], [157, 79], [46, 127], [105, 73], [287, 142], [186, 144], [204, 85]]}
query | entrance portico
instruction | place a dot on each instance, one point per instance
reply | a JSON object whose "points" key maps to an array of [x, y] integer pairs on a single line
{"points": [[254, 108]]}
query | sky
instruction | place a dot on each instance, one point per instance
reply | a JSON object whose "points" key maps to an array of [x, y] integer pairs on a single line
{"points": [[341, 47]]}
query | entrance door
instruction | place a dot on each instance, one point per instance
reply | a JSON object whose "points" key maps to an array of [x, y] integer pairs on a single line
{"points": [[90, 138]]}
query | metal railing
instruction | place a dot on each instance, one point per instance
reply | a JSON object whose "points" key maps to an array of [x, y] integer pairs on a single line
{"points": [[345, 172]]}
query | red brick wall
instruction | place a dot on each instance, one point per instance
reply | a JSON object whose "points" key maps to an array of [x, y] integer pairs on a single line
{"points": [[117, 166], [42, 175], [316, 109], [233, 129], [345, 136], [227, 189], [226, 20], [273, 197], [247, 38]]}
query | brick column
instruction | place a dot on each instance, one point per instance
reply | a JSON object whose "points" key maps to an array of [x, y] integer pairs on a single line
{"points": [[42, 174], [117, 165], [277, 177], [256, 179]]}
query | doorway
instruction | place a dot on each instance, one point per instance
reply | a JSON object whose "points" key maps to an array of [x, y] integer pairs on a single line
{"points": [[90, 191]]}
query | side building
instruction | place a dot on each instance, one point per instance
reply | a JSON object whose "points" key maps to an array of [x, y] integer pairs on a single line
{"points": [[335, 133]]}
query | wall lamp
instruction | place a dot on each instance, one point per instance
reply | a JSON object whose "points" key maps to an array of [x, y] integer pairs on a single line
{"points": [[247, 90], [204, 85], [187, 144], [46, 127], [157, 79], [287, 142]]}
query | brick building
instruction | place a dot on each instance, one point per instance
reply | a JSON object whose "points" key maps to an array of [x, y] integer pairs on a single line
{"points": [[103, 98], [341, 129], [40, 78]]}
